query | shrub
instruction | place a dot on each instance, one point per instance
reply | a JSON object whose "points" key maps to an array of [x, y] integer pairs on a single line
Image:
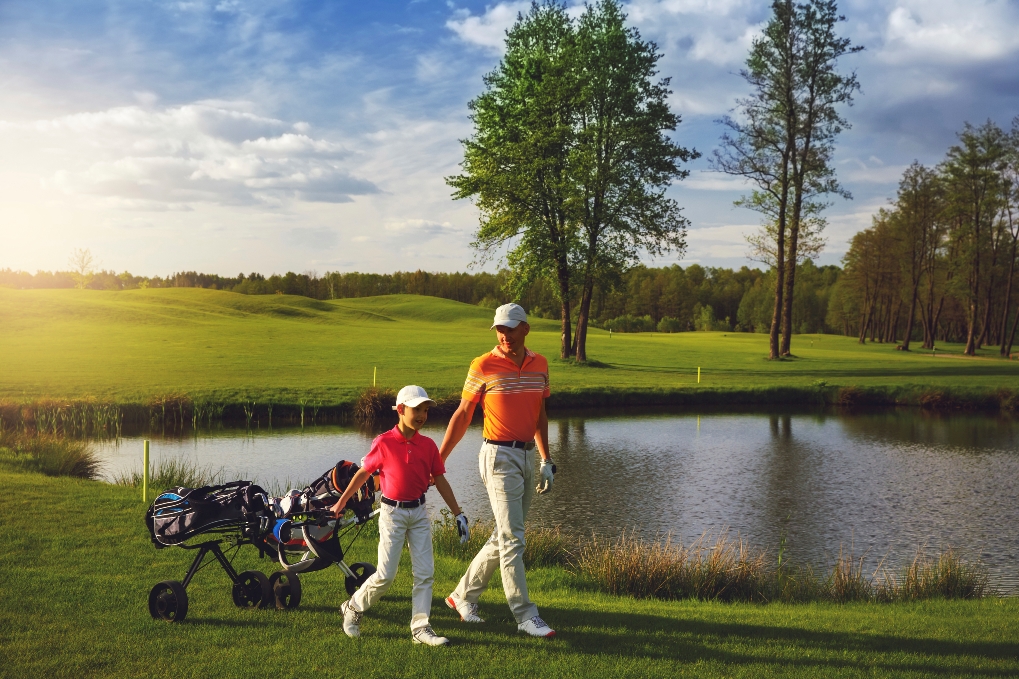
{"points": [[670, 324], [628, 323]]}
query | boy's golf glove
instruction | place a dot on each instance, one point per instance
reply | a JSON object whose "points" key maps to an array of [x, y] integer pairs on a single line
{"points": [[548, 470], [463, 528]]}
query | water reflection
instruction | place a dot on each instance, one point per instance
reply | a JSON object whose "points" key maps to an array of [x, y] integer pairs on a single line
{"points": [[883, 482]]}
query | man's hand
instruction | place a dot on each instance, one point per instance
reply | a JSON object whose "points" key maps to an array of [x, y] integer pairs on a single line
{"points": [[338, 509], [547, 471], [463, 529]]}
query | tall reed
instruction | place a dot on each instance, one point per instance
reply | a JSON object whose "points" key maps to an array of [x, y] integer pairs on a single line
{"points": [[50, 454], [173, 472], [543, 546]]}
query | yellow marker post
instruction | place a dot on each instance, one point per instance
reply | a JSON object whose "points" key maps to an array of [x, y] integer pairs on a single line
{"points": [[145, 472], [698, 375], [375, 373]]}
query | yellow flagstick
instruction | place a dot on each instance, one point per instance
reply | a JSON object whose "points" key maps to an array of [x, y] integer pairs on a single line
{"points": [[698, 375], [145, 472], [375, 372]]}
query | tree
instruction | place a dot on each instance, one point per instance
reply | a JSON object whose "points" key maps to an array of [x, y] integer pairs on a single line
{"points": [[784, 138], [83, 267], [973, 173], [517, 164], [624, 161], [918, 207], [1011, 195]]}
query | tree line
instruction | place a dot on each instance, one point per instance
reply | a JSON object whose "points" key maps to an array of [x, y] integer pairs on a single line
{"points": [[939, 264], [643, 299]]}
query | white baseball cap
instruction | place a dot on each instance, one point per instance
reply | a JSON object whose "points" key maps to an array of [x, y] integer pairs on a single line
{"points": [[510, 315], [413, 396]]}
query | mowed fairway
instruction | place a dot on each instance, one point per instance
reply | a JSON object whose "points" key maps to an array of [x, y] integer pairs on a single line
{"points": [[133, 345]]}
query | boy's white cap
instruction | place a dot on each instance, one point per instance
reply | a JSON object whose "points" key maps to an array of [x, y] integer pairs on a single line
{"points": [[511, 315], [413, 396]]}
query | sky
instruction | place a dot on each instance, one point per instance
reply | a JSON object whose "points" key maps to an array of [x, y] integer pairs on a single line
{"points": [[230, 136]]}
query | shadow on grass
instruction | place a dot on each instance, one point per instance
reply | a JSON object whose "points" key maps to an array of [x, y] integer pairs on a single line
{"points": [[691, 641]]}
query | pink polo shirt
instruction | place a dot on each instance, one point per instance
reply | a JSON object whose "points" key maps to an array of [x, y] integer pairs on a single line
{"points": [[404, 465]]}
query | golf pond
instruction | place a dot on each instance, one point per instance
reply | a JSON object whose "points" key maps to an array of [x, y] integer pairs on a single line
{"points": [[880, 484]]}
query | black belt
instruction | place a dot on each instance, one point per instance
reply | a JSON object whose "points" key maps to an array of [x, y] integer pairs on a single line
{"points": [[511, 444], [410, 504]]}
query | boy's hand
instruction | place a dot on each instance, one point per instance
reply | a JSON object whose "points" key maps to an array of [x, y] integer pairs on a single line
{"points": [[548, 470], [463, 528]]}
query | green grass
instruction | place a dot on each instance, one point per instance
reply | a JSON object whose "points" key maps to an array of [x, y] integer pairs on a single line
{"points": [[132, 346], [78, 565]]}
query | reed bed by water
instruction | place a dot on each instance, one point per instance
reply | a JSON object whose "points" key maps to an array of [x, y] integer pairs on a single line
{"points": [[544, 546], [80, 417], [173, 472], [51, 454], [724, 568]]}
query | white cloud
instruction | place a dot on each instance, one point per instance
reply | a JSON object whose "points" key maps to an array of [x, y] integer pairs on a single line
{"points": [[489, 29], [203, 152], [946, 31]]}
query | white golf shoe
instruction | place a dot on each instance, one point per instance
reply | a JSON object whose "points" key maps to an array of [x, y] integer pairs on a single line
{"points": [[427, 636], [351, 620], [536, 627], [468, 611]]}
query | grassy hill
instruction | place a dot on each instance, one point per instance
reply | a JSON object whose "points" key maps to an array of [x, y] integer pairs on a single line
{"points": [[130, 346]]}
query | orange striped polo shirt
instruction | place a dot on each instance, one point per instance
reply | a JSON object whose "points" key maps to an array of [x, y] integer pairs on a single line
{"points": [[511, 396]]}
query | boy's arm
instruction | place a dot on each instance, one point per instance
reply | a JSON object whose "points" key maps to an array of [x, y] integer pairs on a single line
{"points": [[360, 477], [457, 428], [442, 485]]}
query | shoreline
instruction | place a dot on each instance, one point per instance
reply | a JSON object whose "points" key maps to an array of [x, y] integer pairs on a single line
{"points": [[89, 415]]}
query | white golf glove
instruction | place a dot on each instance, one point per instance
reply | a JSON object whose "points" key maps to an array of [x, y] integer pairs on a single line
{"points": [[548, 470], [463, 528]]}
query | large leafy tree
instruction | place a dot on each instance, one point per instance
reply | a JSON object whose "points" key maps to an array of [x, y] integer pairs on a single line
{"points": [[570, 158], [783, 136], [624, 160], [516, 166]]}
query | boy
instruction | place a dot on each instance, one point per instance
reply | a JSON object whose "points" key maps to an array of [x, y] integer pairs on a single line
{"points": [[405, 459]]}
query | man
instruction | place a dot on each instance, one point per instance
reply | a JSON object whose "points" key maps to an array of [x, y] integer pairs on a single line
{"points": [[512, 384]]}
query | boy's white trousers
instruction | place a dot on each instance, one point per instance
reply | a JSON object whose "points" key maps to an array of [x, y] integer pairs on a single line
{"points": [[508, 474], [395, 527]]}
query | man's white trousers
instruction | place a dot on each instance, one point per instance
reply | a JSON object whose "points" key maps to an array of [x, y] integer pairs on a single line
{"points": [[508, 474]]}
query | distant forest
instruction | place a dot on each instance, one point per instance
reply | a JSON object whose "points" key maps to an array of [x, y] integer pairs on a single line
{"points": [[644, 299]]}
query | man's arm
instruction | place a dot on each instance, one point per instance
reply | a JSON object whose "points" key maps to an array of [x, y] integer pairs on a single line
{"points": [[458, 427], [541, 436], [360, 477]]}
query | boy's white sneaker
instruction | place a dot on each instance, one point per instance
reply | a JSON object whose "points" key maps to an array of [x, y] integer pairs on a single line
{"points": [[536, 627], [468, 611], [427, 636], [351, 620]]}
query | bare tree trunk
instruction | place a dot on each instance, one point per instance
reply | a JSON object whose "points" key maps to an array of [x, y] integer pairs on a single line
{"points": [[1008, 299], [582, 320], [566, 346], [909, 319], [776, 316], [787, 301], [1011, 337]]}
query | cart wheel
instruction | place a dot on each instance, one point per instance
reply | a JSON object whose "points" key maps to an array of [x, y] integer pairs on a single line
{"points": [[362, 571], [287, 589], [252, 590], [168, 601]]}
